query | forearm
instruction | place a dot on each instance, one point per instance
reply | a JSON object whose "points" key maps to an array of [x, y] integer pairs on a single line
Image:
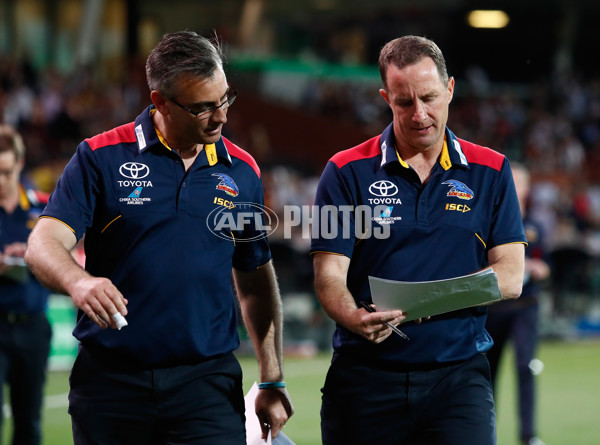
{"points": [[334, 296], [263, 317], [50, 259], [330, 283], [508, 261]]}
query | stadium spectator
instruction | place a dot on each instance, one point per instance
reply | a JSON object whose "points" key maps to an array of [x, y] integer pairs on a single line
{"points": [[25, 331], [517, 320], [141, 194], [434, 388]]}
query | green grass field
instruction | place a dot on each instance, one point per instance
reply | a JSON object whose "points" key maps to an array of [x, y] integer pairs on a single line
{"points": [[568, 401]]}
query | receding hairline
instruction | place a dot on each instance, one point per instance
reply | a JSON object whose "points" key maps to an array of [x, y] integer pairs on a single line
{"points": [[409, 50]]}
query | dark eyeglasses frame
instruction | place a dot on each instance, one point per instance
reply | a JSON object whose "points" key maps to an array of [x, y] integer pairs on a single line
{"points": [[205, 114]]}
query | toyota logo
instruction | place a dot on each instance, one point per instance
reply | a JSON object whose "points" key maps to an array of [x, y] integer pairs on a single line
{"points": [[133, 170], [383, 188]]}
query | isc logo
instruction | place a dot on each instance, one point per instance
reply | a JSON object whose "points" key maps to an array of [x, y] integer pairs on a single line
{"points": [[458, 207], [224, 202]]}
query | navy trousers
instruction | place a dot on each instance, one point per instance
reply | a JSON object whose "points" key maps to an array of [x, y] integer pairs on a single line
{"points": [[113, 404], [366, 404], [24, 350]]}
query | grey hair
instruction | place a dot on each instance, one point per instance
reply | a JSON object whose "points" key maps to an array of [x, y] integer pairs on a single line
{"points": [[179, 54]]}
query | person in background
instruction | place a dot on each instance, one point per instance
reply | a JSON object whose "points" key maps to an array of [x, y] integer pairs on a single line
{"points": [[517, 320], [25, 331], [451, 209], [157, 320]]}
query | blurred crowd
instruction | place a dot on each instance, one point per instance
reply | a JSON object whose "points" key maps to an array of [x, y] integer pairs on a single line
{"points": [[552, 126], [54, 112]]}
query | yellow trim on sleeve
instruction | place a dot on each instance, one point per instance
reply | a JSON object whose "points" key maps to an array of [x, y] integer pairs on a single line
{"points": [[514, 242], [325, 251], [505, 244], [56, 219]]}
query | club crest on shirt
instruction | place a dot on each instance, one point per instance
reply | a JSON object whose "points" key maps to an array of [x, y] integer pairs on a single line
{"points": [[459, 190], [227, 184]]}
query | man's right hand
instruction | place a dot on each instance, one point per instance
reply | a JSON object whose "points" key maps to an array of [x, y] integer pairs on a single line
{"points": [[372, 325], [99, 299]]}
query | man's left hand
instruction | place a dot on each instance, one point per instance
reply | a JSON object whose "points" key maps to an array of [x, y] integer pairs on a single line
{"points": [[273, 409]]}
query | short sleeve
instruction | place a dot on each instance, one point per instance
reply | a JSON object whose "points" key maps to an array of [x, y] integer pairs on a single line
{"points": [[334, 214], [252, 247], [507, 225], [74, 198]]}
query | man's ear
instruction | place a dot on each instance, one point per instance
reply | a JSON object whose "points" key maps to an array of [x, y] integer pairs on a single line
{"points": [[159, 101], [384, 95], [451, 88]]}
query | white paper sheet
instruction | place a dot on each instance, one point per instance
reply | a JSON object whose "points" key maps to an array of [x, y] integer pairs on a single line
{"points": [[427, 298], [253, 431]]}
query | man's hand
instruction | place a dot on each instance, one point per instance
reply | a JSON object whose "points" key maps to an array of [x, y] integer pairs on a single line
{"points": [[273, 409], [99, 299], [372, 325]]}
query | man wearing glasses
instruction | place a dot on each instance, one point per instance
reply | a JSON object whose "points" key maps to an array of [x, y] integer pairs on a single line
{"points": [[157, 317]]}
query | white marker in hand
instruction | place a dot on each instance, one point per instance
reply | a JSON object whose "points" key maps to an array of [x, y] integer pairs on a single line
{"points": [[119, 320]]}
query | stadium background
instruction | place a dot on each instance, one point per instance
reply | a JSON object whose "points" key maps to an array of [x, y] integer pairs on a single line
{"points": [[308, 82]]}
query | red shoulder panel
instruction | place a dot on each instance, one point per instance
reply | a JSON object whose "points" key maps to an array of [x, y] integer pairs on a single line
{"points": [[124, 133], [242, 154], [367, 149], [477, 154]]}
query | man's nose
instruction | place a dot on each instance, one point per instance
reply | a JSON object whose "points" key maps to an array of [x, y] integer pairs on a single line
{"points": [[419, 113], [220, 115]]}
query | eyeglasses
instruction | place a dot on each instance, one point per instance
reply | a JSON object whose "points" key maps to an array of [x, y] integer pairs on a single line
{"points": [[207, 111]]}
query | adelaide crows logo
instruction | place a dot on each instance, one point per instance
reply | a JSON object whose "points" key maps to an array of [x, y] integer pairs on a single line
{"points": [[459, 190], [227, 184]]}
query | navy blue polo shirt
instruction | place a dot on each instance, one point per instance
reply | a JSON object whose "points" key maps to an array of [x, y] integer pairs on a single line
{"points": [[22, 293], [439, 230], [149, 227]]}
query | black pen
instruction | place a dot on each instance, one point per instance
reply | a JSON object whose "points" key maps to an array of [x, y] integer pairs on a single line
{"points": [[370, 308]]}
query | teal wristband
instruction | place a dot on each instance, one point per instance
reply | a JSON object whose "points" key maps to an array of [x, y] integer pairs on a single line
{"points": [[268, 385]]}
